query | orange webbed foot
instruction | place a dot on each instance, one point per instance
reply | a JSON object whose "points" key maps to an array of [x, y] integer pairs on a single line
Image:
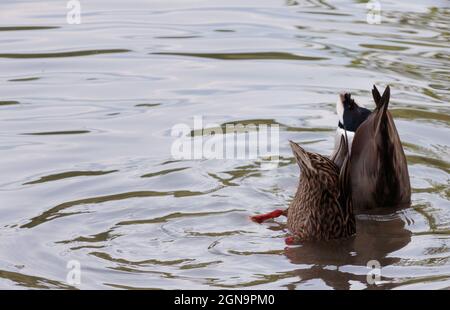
{"points": [[292, 240], [264, 217]]}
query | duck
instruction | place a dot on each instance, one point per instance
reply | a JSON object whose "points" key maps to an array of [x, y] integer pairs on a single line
{"points": [[322, 206], [367, 170], [378, 170], [351, 115]]}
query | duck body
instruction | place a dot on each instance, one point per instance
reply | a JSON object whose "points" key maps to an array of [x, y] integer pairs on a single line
{"points": [[321, 208], [378, 171]]}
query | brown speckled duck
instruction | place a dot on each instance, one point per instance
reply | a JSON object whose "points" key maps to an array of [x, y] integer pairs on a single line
{"points": [[321, 208]]}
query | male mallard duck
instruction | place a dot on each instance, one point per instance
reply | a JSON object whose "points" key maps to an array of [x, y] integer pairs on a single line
{"points": [[378, 170], [351, 116], [321, 209]]}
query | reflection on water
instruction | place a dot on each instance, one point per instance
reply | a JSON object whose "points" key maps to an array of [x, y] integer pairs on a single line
{"points": [[343, 264], [64, 54], [86, 113], [244, 56]]}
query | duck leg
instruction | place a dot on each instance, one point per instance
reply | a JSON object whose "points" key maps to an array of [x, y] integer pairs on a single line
{"points": [[264, 217], [292, 240]]}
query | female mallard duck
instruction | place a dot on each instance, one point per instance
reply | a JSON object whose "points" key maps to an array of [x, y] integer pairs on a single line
{"points": [[378, 171], [321, 209]]}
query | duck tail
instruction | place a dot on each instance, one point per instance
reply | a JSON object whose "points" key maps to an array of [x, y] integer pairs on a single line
{"points": [[382, 107], [302, 157], [376, 96]]}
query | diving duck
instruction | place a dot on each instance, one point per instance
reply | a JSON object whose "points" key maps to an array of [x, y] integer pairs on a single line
{"points": [[351, 116], [322, 206], [378, 170]]}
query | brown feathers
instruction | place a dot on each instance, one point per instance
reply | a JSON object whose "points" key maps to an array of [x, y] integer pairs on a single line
{"points": [[371, 173], [341, 152], [321, 209], [378, 171]]}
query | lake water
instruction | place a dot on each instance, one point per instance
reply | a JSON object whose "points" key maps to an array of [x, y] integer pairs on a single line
{"points": [[86, 112]]}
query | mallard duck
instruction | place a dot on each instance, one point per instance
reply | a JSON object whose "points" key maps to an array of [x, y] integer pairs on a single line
{"points": [[378, 171], [351, 116], [321, 208], [372, 172]]}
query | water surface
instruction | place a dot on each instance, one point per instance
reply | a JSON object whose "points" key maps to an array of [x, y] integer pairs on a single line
{"points": [[85, 118]]}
